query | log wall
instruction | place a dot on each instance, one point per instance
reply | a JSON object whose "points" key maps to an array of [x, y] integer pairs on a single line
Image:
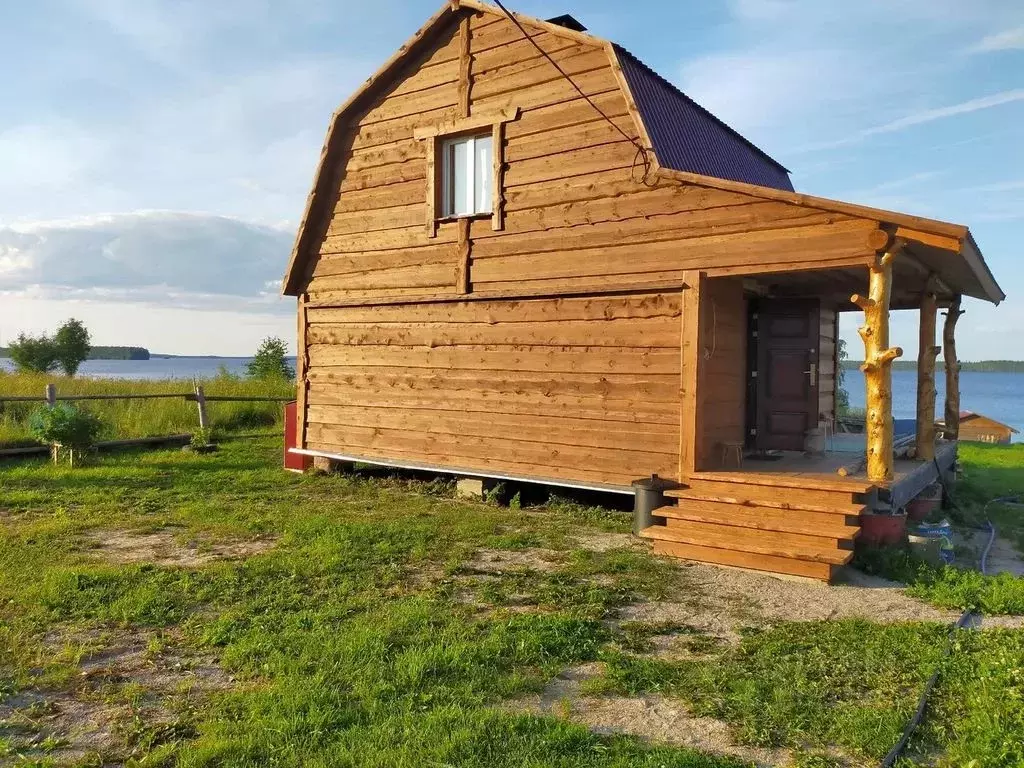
{"points": [[583, 389]]}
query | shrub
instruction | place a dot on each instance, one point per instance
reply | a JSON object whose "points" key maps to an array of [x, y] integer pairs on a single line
{"points": [[64, 426]]}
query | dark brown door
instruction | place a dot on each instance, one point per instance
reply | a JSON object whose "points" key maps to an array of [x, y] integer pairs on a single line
{"points": [[787, 372]]}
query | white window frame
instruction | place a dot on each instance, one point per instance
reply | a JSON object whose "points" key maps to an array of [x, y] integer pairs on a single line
{"points": [[448, 206]]}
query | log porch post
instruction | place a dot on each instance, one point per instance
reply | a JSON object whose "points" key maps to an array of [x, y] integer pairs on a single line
{"points": [[952, 410], [927, 351], [877, 368]]}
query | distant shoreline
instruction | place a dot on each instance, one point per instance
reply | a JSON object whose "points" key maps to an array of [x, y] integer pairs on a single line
{"points": [[979, 366], [101, 352]]}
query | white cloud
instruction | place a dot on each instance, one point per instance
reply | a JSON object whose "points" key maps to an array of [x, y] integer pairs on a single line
{"points": [[922, 117], [999, 186], [1009, 39], [155, 257], [770, 89], [963, 108]]}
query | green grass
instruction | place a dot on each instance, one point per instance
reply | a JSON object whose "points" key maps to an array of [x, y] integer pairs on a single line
{"points": [[989, 472], [344, 655], [854, 685], [142, 418], [992, 471], [367, 636]]}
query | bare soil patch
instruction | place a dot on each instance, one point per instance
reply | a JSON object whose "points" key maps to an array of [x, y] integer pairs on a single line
{"points": [[655, 719], [127, 681], [498, 561], [1002, 558], [603, 542], [166, 548], [726, 599]]}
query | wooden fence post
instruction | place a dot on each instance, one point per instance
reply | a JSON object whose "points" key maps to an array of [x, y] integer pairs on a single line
{"points": [[201, 404], [51, 395]]}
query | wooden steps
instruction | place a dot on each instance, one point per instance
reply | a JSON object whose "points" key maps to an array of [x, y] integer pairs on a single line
{"points": [[773, 523], [773, 496], [787, 565], [752, 541], [745, 515]]}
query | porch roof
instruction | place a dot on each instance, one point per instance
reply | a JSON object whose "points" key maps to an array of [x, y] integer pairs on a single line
{"points": [[938, 251]]}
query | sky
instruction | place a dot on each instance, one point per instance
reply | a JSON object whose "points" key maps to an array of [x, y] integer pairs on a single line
{"points": [[155, 155]]}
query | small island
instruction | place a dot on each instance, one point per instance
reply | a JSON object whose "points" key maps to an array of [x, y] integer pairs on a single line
{"points": [[107, 353]]}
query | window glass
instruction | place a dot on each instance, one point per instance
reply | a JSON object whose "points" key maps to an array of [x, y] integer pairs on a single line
{"points": [[466, 176], [461, 190], [483, 174]]}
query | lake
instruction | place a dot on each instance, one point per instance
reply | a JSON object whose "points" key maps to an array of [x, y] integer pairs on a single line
{"points": [[997, 395], [186, 368]]}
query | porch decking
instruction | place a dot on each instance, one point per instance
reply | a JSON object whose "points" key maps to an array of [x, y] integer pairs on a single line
{"points": [[795, 515]]}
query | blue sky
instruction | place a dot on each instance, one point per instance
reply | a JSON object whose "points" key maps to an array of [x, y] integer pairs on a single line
{"points": [[155, 156]]}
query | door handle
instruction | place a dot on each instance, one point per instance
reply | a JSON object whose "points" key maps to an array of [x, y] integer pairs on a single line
{"points": [[813, 373]]}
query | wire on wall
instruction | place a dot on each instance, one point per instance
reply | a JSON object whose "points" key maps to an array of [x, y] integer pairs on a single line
{"points": [[642, 153]]}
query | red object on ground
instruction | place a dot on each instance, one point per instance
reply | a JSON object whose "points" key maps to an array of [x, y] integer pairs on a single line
{"points": [[882, 529], [296, 462], [929, 500]]}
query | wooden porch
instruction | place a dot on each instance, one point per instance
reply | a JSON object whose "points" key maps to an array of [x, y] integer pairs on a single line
{"points": [[794, 516], [752, 498]]}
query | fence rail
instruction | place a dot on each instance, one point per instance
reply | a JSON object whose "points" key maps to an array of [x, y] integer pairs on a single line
{"points": [[197, 396], [47, 397]]}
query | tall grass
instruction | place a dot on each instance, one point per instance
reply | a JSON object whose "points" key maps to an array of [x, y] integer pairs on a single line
{"points": [[143, 418]]}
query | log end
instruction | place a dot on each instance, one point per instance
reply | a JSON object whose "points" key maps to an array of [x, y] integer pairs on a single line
{"points": [[878, 239]]}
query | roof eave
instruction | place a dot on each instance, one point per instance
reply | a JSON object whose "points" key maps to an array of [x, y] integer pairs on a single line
{"points": [[972, 255], [959, 236]]}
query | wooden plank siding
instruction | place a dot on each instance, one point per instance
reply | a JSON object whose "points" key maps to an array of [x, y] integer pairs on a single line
{"points": [[550, 347], [576, 218], [583, 389]]}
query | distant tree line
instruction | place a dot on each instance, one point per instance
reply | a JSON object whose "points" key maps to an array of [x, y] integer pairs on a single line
{"points": [[986, 366], [105, 353]]}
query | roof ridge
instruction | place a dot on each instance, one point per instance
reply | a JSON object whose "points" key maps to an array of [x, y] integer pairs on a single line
{"points": [[669, 84]]}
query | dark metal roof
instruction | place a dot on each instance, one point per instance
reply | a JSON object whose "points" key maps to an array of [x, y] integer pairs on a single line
{"points": [[569, 22], [687, 137]]}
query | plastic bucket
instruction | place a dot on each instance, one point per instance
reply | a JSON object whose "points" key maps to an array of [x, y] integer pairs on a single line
{"points": [[882, 530], [927, 502]]}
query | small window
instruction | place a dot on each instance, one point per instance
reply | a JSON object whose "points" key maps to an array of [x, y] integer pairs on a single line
{"points": [[466, 172]]}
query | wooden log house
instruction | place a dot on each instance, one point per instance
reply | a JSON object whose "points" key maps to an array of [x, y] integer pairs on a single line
{"points": [[528, 256]]}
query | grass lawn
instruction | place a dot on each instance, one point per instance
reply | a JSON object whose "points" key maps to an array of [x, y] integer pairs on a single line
{"points": [[216, 611]]}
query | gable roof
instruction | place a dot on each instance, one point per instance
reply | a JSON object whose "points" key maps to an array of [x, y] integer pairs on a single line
{"points": [[726, 154], [686, 137], [971, 416]]}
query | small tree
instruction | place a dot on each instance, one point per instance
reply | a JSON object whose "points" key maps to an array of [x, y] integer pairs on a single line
{"points": [[73, 344], [270, 361], [33, 354]]}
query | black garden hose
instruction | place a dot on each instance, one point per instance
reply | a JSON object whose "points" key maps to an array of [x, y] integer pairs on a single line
{"points": [[964, 619]]}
